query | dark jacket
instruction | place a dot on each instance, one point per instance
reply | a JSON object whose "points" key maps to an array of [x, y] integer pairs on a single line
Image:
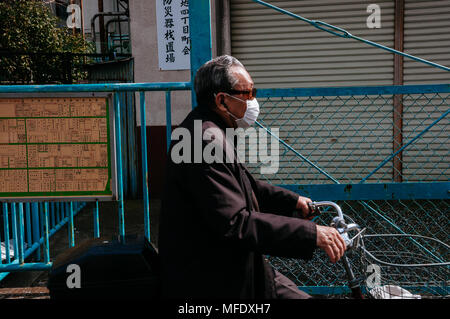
{"points": [[217, 222]]}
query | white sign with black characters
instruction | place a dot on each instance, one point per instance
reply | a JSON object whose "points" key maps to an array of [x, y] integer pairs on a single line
{"points": [[174, 43]]}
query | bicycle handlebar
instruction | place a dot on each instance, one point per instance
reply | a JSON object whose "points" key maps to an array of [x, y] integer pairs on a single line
{"points": [[343, 228], [339, 223], [315, 205]]}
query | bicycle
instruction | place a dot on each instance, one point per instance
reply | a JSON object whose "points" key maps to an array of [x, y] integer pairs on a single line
{"points": [[408, 267]]}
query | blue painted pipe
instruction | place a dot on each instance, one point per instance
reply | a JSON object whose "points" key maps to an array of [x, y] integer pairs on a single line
{"points": [[52, 214], [6, 231], [14, 228], [96, 220], [124, 144], [200, 34], [168, 120], [348, 91], [119, 168], [16, 267], [28, 223], [36, 227], [46, 235], [97, 87], [70, 226], [145, 176], [20, 236], [132, 161]]}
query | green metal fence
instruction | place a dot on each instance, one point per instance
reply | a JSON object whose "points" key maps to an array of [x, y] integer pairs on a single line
{"points": [[387, 167]]}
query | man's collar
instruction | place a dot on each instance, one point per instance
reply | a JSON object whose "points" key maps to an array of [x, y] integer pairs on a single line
{"points": [[213, 116]]}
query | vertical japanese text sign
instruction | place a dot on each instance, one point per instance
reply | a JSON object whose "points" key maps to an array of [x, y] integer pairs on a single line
{"points": [[172, 19]]}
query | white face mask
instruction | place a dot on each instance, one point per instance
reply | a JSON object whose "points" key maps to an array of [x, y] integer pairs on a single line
{"points": [[251, 113]]}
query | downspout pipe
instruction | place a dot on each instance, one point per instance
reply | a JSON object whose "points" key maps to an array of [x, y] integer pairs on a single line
{"points": [[104, 14]]}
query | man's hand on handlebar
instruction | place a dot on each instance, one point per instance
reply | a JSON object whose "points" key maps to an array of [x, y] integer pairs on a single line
{"points": [[304, 207], [328, 239]]}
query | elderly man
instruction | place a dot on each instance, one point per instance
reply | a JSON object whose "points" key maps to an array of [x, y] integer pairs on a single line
{"points": [[217, 221]]}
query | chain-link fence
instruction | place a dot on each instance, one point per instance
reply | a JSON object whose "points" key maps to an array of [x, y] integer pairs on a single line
{"points": [[390, 144]]}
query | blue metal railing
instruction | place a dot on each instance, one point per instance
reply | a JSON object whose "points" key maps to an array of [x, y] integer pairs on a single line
{"points": [[34, 223], [30, 231]]}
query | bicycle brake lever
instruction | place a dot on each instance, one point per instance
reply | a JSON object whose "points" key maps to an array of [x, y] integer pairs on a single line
{"points": [[344, 229], [313, 210]]}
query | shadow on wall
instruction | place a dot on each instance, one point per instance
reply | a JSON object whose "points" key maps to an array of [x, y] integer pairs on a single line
{"points": [[156, 159]]}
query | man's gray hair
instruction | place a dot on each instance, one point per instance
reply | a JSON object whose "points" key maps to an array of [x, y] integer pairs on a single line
{"points": [[213, 77]]}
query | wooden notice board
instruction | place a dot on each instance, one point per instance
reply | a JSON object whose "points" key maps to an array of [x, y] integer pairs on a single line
{"points": [[56, 147]]}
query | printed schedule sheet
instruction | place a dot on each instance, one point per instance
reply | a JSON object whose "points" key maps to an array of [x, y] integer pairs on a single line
{"points": [[54, 146]]}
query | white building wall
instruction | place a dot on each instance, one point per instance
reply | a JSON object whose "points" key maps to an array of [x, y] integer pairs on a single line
{"points": [[145, 52]]}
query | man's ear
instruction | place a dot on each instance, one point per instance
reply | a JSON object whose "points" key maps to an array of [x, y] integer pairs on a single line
{"points": [[220, 102]]}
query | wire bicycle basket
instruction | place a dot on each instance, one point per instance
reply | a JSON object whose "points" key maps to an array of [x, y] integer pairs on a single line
{"points": [[391, 266], [405, 266]]}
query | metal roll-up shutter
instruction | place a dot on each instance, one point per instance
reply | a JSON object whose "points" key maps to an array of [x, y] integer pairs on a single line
{"points": [[427, 35], [281, 51]]}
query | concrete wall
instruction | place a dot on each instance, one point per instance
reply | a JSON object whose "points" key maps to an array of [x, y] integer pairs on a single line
{"points": [[90, 8]]}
